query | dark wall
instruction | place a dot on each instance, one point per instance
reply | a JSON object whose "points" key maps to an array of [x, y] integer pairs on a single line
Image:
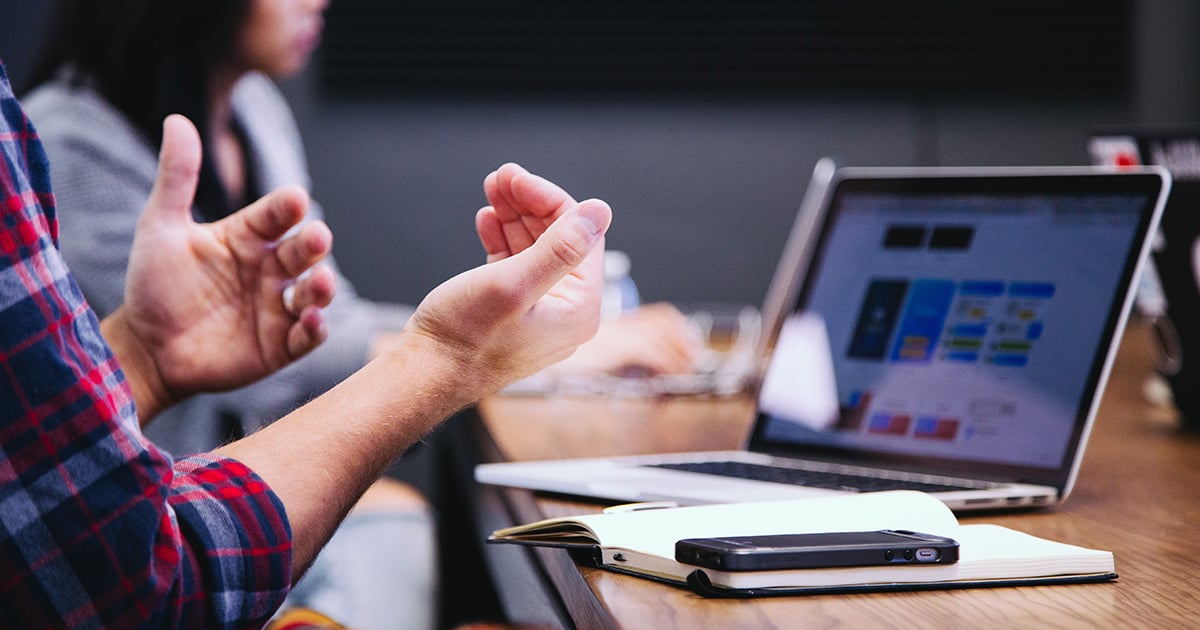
{"points": [[21, 23], [704, 190]]}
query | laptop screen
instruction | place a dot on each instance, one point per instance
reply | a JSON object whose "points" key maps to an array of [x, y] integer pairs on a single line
{"points": [[957, 322]]}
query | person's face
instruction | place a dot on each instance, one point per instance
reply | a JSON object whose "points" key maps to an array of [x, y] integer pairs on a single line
{"points": [[279, 36]]}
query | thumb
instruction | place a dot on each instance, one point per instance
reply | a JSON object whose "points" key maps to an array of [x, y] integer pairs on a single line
{"points": [[178, 171], [565, 246]]}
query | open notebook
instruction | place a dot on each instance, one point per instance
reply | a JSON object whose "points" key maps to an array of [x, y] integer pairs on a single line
{"points": [[946, 330], [642, 543]]}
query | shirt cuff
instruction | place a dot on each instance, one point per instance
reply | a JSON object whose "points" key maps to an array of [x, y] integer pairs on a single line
{"points": [[236, 531]]}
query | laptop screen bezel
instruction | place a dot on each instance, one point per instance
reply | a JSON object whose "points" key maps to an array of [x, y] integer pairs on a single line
{"points": [[1151, 183]]}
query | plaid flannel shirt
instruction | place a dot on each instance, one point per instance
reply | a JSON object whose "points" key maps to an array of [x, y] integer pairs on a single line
{"points": [[98, 528]]}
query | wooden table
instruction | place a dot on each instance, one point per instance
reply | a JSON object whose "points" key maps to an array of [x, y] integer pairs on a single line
{"points": [[1138, 495]]}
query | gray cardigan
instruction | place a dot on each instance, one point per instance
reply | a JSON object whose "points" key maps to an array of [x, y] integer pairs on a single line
{"points": [[102, 170]]}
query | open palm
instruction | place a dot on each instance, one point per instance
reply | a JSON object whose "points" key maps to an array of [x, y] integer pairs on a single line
{"points": [[206, 300]]}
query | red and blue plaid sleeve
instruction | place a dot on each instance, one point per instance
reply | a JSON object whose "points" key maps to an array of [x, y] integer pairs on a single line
{"points": [[98, 528]]}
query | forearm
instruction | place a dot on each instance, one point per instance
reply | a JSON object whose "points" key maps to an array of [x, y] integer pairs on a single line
{"points": [[321, 458], [150, 395]]}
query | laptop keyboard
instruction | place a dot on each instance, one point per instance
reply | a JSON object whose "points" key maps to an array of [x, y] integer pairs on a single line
{"points": [[812, 478]]}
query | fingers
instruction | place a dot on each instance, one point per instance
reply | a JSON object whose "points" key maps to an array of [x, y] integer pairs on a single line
{"points": [[657, 361], [299, 252], [178, 171], [569, 242], [309, 331], [665, 356], [269, 219], [271, 216], [524, 204], [682, 339], [516, 192], [655, 338], [491, 234], [677, 357], [315, 289], [304, 301]]}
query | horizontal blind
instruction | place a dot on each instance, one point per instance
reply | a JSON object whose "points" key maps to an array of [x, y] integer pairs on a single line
{"points": [[1011, 46]]}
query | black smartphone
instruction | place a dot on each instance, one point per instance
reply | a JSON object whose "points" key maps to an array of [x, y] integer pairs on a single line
{"points": [[815, 551]]}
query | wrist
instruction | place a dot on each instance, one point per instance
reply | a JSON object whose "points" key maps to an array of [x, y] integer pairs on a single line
{"points": [[448, 374], [150, 393]]}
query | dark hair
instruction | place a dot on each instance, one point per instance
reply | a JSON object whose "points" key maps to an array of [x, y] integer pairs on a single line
{"points": [[148, 58]]}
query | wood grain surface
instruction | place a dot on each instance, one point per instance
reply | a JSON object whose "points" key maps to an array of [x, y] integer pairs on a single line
{"points": [[1137, 495]]}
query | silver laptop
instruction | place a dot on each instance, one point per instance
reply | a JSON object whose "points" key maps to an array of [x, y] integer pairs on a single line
{"points": [[946, 330]]}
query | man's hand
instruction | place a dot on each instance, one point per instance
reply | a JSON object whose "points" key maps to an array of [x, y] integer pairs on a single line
{"points": [[539, 297], [656, 338], [205, 306]]}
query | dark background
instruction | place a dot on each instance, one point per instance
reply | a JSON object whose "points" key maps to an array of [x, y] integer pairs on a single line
{"points": [[699, 124]]}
